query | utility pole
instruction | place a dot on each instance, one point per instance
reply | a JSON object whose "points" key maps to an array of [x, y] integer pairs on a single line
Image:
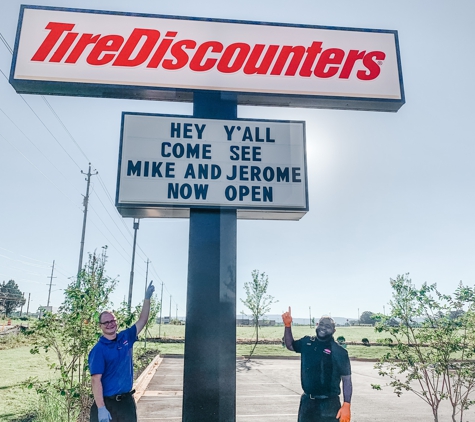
{"points": [[146, 276], [161, 309], [28, 306], [21, 309], [85, 203], [50, 283], [176, 315], [131, 284], [310, 314], [170, 320]]}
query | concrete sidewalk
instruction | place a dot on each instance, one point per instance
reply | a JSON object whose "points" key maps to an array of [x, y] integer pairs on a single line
{"points": [[269, 390]]}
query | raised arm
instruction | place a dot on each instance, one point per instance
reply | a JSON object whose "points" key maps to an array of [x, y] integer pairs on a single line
{"points": [[143, 318], [288, 337]]}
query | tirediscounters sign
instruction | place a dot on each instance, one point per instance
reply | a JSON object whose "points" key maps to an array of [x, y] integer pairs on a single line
{"points": [[108, 54], [168, 164]]}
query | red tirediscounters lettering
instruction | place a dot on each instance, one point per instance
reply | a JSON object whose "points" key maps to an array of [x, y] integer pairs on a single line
{"points": [[63, 45]]}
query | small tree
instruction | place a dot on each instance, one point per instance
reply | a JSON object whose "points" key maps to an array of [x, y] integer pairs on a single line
{"points": [[11, 297], [69, 335], [433, 345], [257, 300]]}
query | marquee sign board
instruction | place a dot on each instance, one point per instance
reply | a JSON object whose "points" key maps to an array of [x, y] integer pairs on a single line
{"points": [[169, 163], [76, 52]]}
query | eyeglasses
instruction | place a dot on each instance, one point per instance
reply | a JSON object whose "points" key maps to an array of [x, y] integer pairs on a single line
{"points": [[112, 321]]}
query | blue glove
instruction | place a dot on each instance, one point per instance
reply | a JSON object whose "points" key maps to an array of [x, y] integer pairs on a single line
{"points": [[103, 414], [150, 290]]}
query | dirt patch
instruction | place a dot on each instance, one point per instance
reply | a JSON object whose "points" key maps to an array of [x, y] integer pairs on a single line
{"points": [[142, 360]]}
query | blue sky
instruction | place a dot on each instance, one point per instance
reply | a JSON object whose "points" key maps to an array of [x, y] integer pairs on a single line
{"points": [[389, 193]]}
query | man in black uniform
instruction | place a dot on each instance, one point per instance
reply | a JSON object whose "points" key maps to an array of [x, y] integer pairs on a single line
{"points": [[324, 365]]}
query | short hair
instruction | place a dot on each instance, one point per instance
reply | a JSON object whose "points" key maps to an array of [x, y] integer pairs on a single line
{"points": [[104, 312], [327, 318]]}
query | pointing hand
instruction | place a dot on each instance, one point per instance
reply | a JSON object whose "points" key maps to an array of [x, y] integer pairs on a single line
{"points": [[150, 290], [287, 318]]}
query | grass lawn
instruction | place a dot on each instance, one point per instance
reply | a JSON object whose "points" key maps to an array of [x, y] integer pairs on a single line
{"points": [[275, 333], [361, 352], [18, 365]]}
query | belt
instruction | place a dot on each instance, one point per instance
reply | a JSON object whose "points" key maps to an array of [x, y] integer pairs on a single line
{"points": [[313, 397], [119, 397]]}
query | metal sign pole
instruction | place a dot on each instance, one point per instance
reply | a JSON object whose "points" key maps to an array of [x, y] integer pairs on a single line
{"points": [[209, 382]]}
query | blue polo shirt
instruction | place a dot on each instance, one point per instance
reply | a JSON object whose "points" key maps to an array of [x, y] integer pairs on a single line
{"points": [[113, 359]]}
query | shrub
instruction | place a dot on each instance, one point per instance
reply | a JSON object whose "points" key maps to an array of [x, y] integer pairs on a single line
{"points": [[433, 344], [69, 335], [365, 341]]}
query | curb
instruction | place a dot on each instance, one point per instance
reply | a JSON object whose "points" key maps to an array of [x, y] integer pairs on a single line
{"points": [[141, 383]]}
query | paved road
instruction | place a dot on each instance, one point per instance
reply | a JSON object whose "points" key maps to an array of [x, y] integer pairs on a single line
{"points": [[269, 390]]}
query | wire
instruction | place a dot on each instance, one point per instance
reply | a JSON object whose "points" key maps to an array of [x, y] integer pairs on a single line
{"points": [[65, 129], [54, 137], [52, 111], [6, 44], [112, 219], [109, 197], [23, 262], [29, 161], [74, 161]]}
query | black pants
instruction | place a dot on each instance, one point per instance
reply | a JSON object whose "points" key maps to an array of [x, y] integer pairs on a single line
{"points": [[318, 410], [124, 410]]}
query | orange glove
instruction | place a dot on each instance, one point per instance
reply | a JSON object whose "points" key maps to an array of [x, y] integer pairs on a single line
{"points": [[344, 414], [287, 318]]}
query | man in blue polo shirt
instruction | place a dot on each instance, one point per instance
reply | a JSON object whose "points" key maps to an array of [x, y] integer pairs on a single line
{"points": [[324, 365], [111, 367]]}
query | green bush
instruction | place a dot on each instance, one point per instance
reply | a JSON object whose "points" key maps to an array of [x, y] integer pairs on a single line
{"points": [[365, 341]]}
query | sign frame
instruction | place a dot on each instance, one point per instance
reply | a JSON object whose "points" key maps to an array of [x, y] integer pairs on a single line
{"points": [[163, 93], [244, 212]]}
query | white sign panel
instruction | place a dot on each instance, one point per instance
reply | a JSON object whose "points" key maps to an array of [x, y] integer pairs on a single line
{"points": [[168, 164], [97, 53]]}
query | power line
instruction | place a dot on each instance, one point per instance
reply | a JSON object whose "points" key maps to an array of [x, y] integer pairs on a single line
{"points": [[65, 128], [112, 219], [52, 111], [51, 133], [6, 43], [24, 256], [48, 104], [29, 161], [144, 256], [23, 262]]}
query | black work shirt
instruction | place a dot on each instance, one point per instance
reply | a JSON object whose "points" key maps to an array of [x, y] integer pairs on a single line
{"points": [[309, 370]]}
